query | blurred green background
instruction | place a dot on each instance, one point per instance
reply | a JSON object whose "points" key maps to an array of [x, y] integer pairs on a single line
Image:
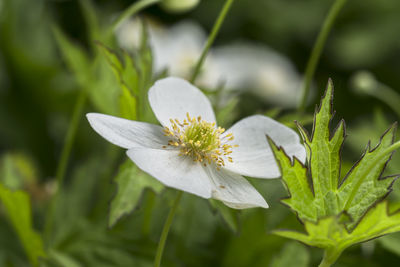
{"points": [[38, 91]]}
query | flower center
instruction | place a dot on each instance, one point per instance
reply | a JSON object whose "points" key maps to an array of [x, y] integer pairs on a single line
{"points": [[201, 140]]}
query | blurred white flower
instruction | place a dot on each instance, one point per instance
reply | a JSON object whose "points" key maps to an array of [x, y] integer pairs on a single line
{"points": [[266, 73], [176, 49], [240, 66], [191, 153]]}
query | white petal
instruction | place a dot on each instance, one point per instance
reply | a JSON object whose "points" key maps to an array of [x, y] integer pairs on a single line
{"points": [[172, 98], [234, 190], [127, 133], [254, 156], [173, 170]]}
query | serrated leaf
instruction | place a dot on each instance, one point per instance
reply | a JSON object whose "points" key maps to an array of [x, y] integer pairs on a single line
{"points": [[127, 77], [363, 185], [301, 198], [18, 209], [131, 183], [345, 213], [324, 154], [330, 233]]}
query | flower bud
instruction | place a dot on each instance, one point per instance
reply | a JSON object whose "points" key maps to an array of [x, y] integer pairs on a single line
{"points": [[179, 6], [364, 82]]}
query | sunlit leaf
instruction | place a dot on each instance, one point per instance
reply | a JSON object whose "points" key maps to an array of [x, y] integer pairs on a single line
{"points": [[18, 209], [330, 233]]}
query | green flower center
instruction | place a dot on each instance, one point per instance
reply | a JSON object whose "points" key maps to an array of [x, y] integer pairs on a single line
{"points": [[200, 140]]}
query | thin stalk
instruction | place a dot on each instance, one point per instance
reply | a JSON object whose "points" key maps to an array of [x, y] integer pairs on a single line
{"points": [[330, 257], [317, 50], [130, 11], [65, 153], [211, 38], [165, 231], [148, 208]]}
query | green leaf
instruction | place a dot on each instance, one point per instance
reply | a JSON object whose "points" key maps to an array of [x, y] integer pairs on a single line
{"points": [[17, 207], [337, 212], [322, 196], [330, 233], [131, 183], [323, 150], [127, 77], [364, 185], [294, 175]]}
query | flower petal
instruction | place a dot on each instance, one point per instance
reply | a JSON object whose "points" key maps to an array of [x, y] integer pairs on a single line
{"points": [[127, 133], [173, 170], [234, 190], [172, 98], [254, 157]]}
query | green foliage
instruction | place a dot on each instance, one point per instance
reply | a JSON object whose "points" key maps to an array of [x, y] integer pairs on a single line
{"points": [[292, 254], [331, 234], [230, 216], [337, 213], [131, 183], [75, 57], [18, 208], [127, 76]]}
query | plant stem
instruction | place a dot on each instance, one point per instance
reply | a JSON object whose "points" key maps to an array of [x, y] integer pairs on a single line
{"points": [[131, 10], [65, 153], [148, 208], [317, 50], [330, 257], [211, 38], [165, 231]]}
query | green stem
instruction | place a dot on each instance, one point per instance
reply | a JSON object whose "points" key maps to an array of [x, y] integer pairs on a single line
{"points": [[148, 211], [165, 231], [317, 50], [65, 153], [211, 38], [130, 11], [330, 257]]}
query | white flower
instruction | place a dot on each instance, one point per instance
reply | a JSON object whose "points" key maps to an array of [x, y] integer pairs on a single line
{"points": [[176, 48], [241, 66], [191, 153], [268, 74]]}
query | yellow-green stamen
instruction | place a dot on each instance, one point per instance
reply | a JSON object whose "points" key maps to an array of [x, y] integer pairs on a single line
{"points": [[200, 140]]}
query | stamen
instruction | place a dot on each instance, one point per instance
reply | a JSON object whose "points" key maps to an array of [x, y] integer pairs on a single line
{"points": [[200, 140]]}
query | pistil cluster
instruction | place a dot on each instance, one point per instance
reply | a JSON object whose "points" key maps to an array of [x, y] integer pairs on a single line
{"points": [[200, 140]]}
